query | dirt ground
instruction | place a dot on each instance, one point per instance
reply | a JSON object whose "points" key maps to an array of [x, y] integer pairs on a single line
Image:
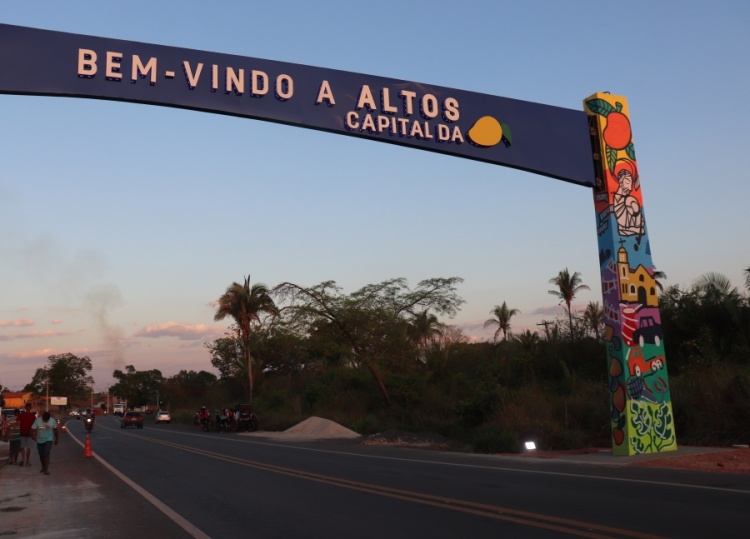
{"points": [[729, 460], [733, 461]]}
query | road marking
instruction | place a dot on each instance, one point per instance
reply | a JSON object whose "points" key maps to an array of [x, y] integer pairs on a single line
{"points": [[183, 523], [525, 518], [483, 467]]}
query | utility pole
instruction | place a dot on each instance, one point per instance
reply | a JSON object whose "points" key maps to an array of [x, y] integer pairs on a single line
{"points": [[546, 324]]}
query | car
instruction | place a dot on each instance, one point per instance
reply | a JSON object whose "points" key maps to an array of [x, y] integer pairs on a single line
{"points": [[163, 416], [77, 413], [131, 419], [649, 331]]}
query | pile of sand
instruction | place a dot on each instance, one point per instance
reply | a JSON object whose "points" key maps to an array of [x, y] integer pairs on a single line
{"points": [[313, 428]]}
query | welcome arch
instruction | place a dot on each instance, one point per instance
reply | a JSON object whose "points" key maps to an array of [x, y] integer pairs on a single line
{"points": [[591, 148]]}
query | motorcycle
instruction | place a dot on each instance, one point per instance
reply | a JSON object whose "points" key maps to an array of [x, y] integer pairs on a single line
{"points": [[246, 418], [89, 423], [248, 422], [222, 423]]}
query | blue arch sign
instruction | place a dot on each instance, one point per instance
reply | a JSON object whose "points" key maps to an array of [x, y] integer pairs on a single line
{"points": [[542, 139]]}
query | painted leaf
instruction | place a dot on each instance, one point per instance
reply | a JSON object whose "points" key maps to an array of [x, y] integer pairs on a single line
{"points": [[611, 159], [506, 133], [600, 106], [630, 150], [636, 444]]}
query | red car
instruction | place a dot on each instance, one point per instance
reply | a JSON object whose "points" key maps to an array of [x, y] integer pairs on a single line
{"points": [[131, 419]]}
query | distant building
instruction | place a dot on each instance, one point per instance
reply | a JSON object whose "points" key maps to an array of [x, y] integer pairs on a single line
{"points": [[17, 399]]}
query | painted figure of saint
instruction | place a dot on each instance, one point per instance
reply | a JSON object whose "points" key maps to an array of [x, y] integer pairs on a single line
{"points": [[625, 206]]}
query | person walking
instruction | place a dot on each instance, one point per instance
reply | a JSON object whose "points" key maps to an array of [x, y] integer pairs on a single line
{"points": [[14, 439], [25, 420], [43, 432]]}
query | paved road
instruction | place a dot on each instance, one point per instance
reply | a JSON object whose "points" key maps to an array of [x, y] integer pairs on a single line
{"points": [[221, 485], [80, 499]]}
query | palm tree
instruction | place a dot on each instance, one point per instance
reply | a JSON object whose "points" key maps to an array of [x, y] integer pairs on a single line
{"points": [[422, 328], [567, 287], [245, 304], [658, 277], [527, 339], [593, 317], [502, 315], [717, 283]]}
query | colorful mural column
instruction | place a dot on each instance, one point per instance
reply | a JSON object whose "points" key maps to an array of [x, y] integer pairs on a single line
{"points": [[641, 406]]}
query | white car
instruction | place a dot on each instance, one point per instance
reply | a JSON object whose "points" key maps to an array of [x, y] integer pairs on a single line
{"points": [[162, 416]]}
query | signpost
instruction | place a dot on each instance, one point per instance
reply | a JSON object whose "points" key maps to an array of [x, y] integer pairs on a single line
{"points": [[592, 148]]}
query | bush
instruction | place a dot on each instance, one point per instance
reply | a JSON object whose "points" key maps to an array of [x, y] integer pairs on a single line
{"points": [[495, 439]]}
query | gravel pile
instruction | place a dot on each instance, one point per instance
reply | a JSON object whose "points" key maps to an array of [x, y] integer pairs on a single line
{"points": [[313, 428]]}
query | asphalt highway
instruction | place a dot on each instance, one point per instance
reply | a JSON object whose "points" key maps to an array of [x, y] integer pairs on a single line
{"points": [[173, 481]]}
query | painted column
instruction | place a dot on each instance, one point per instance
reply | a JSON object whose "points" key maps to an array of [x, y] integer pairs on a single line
{"points": [[641, 405]]}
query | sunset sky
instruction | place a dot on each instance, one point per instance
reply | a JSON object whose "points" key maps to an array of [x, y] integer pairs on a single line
{"points": [[121, 224]]}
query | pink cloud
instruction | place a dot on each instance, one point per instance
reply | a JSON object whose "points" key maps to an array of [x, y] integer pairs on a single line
{"points": [[39, 335], [16, 323], [184, 332], [40, 354]]}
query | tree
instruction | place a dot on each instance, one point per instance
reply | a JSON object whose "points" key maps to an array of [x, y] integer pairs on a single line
{"points": [[186, 387], [67, 374], [227, 355], [137, 387], [527, 339], [718, 284], [659, 276], [747, 278], [424, 327], [593, 317], [373, 320], [567, 287], [245, 304], [502, 315]]}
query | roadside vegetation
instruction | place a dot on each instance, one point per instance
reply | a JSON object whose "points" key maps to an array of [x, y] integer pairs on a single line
{"points": [[380, 359]]}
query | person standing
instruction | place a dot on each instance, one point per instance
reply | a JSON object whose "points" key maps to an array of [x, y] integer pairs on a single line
{"points": [[26, 420], [14, 439], [44, 433]]}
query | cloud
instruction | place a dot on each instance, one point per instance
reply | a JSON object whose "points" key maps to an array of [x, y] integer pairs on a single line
{"points": [[183, 332], [40, 354], [559, 309], [38, 335], [16, 323], [551, 310]]}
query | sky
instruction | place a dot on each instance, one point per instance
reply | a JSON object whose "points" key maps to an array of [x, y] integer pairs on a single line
{"points": [[121, 224]]}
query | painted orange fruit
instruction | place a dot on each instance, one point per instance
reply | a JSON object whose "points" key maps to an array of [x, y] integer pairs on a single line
{"points": [[487, 131], [618, 398], [618, 436], [615, 368], [617, 133]]}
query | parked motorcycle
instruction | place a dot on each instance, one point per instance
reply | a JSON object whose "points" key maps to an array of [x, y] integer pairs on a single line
{"points": [[89, 423], [246, 418]]}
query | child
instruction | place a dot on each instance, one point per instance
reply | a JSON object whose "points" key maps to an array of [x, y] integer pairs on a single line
{"points": [[14, 439]]}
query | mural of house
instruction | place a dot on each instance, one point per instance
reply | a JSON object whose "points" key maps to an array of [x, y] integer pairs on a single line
{"points": [[636, 286]]}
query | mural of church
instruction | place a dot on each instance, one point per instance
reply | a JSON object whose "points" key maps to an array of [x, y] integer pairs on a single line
{"points": [[636, 286]]}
